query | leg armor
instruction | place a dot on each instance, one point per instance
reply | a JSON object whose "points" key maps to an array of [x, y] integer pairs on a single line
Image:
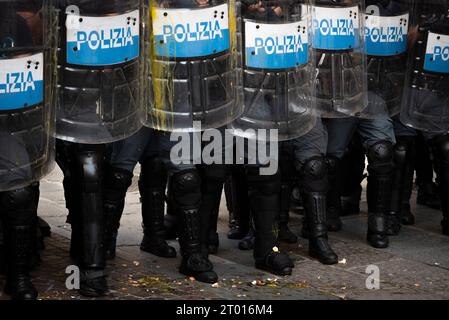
{"points": [[152, 183], [403, 158], [440, 147], [19, 215], [264, 203], [236, 192], [170, 221], [116, 182], [314, 185], [380, 172], [186, 188], [212, 180], [333, 210]]}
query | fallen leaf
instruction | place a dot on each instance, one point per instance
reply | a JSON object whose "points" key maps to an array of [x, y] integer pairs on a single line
{"points": [[215, 285], [342, 261]]}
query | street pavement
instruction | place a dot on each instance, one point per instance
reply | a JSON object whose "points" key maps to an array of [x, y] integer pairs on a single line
{"points": [[415, 266]]}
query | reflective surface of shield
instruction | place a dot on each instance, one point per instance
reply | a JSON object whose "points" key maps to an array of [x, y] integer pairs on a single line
{"points": [[99, 70], [338, 46], [386, 28], [278, 69], [27, 86], [425, 104], [192, 64]]}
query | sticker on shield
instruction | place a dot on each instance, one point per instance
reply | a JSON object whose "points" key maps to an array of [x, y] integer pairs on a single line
{"points": [[21, 82], [335, 28], [188, 33], [437, 53], [386, 36], [102, 41], [275, 46]]}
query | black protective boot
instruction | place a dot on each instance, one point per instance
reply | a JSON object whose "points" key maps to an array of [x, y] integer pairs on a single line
{"points": [[19, 214], [247, 243], [440, 149], [89, 177], [333, 210], [264, 202], [186, 187], [313, 175], [380, 170], [152, 183], [117, 182], [236, 193], [403, 167], [170, 219]]}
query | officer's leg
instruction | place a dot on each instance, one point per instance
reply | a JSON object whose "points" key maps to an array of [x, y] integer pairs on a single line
{"points": [[428, 194], [287, 169], [2, 249], [312, 169], [88, 178], [440, 149], [18, 215], [236, 192], [152, 184], [186, 201], [212, 180], [404, 154], [340, 132], [378, 138], [118, 177], [170, 221], [264, 193]]}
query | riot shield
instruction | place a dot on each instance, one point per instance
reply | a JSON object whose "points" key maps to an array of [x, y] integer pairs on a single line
{"points": [[386, 28], [278, 69], [338, 45], [193, 78], [425, 104], [27, 88], [99, 77]]}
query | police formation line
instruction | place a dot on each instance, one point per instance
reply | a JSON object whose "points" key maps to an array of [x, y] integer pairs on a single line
{"points": [[99, 85]]}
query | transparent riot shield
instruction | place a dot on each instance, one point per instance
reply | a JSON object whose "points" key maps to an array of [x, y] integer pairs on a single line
{"points": [[192, 63], [99, 77], [386, 28], [425, 104], [338, 46], [27, 88], [278, 69]]}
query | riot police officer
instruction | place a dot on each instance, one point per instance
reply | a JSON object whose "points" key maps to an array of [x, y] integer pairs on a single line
{"points": [[27, 50], [98, 103]]}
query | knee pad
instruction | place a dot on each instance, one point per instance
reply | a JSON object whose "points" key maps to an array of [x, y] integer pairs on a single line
{"points": [[186, 187], [380, 156], [402, 147], [313, 175], [117, 181], [333, 165], [153, 173], [20, 205]]}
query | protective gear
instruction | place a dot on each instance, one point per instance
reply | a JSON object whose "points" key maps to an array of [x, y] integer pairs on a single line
{"points": [[152, 182], [403, 177], [187, 201], [170, 219], [264, 203], [333, 202], [212, 180], [19, 214], [194, 78], [277, 84], [386, 60], [236, 193], [99, 99], [116, 183], [82, 165], [426, 99], [27, 87], [247, 242], [378, 193], [428, 194], [314, 185], [440, 147], [341, 87]]}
